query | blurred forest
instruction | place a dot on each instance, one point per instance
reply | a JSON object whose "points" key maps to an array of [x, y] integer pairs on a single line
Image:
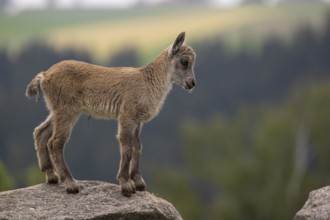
{"points": [[249, 143]]}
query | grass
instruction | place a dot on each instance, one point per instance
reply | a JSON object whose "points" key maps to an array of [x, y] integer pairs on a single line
{"points": [[103, 32]]}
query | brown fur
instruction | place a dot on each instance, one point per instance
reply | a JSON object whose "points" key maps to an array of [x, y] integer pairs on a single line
{"points": [[132, 96]]}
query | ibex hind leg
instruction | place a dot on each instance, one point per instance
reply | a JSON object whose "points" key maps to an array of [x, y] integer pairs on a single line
{"points": [[62, 126], [41, 135]]}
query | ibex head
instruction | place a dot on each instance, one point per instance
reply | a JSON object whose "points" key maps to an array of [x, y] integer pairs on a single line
{"points": [[183, 60]]}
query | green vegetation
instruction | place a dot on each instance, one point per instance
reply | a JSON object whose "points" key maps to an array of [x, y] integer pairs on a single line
{"points": [[6, 181], [33, 175], [30, 176], [259, 165]]}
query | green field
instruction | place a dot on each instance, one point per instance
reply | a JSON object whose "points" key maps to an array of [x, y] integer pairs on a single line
{"points": [[103, 32]]}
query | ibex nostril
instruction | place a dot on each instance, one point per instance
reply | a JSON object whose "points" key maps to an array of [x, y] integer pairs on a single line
{"points": [[193, 83]]}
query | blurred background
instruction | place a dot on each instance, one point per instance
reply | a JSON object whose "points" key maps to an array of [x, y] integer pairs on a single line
{"points": [[250, 142]]}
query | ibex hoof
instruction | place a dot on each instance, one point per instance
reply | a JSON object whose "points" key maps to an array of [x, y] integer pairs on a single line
{"points": [[127, 188], [140, 185], [51, 177], [71, 188], [52, 181]]}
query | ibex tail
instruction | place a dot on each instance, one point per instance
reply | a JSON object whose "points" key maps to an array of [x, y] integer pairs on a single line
{"points": [[33, 89]]}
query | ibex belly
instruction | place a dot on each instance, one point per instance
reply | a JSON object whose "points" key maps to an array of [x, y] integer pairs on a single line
{"points": [[106, 109]]}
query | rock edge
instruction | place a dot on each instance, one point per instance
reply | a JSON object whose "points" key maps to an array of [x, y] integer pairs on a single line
{"points": [[96, 200], [317, 206]]}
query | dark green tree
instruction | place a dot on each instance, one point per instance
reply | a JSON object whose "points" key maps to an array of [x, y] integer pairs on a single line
{"points": [[260, 164]]}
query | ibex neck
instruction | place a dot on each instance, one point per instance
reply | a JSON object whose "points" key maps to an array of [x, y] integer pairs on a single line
{"points": [[158, 78], [157, 73]]}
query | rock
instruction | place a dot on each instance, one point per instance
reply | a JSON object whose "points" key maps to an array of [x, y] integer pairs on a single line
{"points": [[317, 206], [96, 200]]}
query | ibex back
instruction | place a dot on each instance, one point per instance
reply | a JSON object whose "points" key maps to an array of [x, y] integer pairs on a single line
{"points": [[132, 96]]}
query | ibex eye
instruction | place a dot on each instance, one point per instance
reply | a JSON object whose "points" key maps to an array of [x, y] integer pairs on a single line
{"points": [[184, 62]]}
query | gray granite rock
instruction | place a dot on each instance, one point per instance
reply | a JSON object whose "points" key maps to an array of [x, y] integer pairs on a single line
{"points": [[317, 206], [96, 200]]}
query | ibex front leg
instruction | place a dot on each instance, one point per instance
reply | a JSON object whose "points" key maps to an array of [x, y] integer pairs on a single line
{"points": [[135, 172], [125, 137]]}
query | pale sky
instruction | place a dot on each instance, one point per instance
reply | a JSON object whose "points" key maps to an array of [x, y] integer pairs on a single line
{"points": [[26, 4], [69, 3], [23, 4]]}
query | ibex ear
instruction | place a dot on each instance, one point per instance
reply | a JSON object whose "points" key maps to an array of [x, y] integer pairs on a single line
{"points": [[177, 44]]}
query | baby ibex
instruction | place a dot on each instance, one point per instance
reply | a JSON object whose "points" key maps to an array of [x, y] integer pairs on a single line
{"points": [[133, 96]]}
